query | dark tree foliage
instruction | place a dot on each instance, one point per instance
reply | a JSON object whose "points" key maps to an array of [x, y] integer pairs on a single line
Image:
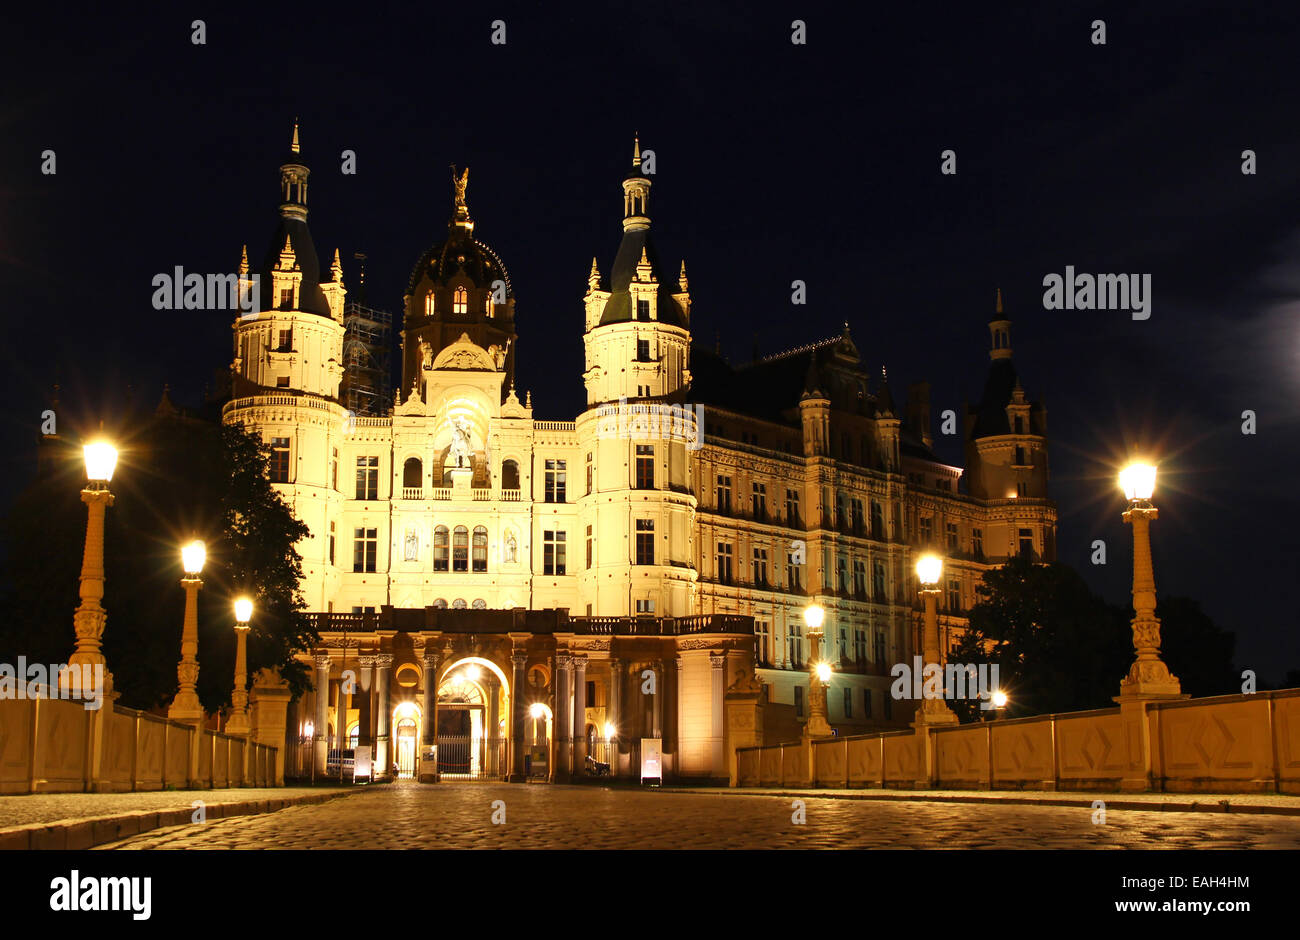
{"points": [[1060, 647], [177, 478]]}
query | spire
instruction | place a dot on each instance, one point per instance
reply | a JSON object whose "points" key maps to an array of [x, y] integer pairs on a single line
{"points": [[288, 259], [593, 278], [681, 278], [636, 149], [999, 333], [295, 146], [883, 398], [336, 269], [243, 264], [636, 193], [293, 181], [644, 269]]}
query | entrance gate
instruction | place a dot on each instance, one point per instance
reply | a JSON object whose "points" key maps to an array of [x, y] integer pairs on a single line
{"points": [[465, 752]]}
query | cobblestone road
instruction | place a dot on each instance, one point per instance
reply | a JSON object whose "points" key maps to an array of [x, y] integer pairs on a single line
{"points": [[459, 816]]}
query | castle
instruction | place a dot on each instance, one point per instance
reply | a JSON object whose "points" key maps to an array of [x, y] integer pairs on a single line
{"points": [[542, 597]]}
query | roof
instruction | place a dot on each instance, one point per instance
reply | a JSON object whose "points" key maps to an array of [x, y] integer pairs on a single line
{"points": [[311, 298], [618, 308], [460, 255]]}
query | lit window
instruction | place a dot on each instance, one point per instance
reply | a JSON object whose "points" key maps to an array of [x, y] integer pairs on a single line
{"points": [[553, 552], [645, 542], [279, 460], [460, 301]]}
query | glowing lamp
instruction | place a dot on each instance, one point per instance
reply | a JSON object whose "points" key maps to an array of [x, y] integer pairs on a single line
{"points": [[929, 568], [1138, 481], [814, 615], [192, 557], [101, 458], [999, 699], [824, 672], [537, 710], [473, 673], [609, 730], [244, 609]]}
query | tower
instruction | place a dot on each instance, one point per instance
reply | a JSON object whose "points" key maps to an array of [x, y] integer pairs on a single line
{"points": [[639, 513]]}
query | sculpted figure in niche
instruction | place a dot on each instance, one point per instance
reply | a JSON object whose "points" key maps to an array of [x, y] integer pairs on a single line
{"points": [[426, 354], [459, 441], [511, 547]]}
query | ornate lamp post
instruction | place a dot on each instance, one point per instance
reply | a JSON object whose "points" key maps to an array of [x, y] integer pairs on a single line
{"points": [[814, 615], [185, 706], [238, 722], [929, 569], [88, 621], [1148, 677]]}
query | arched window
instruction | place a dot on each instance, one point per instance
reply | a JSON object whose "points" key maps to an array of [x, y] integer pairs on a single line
{"points": [[458, 604], [440, 603], [412, 474], [460, 549], [509, 475], [460, 301], [440, 550], [480, 548], [479, 604], [428, 304]]}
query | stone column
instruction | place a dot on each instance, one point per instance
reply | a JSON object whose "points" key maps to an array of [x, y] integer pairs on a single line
{"points": [[320, 734], [383, 758], [517, 718], [563, 720], [679, 712], [89, 619], [365, 707], [185, 706], [657, 710], [579, 715], [494, 724], [430, 736], [717, 715], [270, 700], [617, 681]]}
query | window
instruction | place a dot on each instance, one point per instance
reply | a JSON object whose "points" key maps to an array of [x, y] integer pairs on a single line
{"points": [[759, 500], [480, 548], [590, 547], [286, 298], [509, 475], [412, 473], [1027, 542], [880, 648], [479, 604], [460, 549], [848, 702], [552, 552], [367, 478], [724, 494], [792, 507], [926, 529], [440, 548], [365, 550], [859, 577], [977, 542], [645, 466], [841, 515], [645, 606], [363, 610], [859, 518], [794, 656], [762, 643], [860, 648], [555, 481], [725, 574], [877, 520], [866, 703], [279, 467], [841, 574], [1020, 424], [428, 304], [331, 544], [954, 594], [1022, 489], [798, 701], [878, 583], [334, 469], [760, 567], [590, 465], [1020, 456], [458, 604], [460, 301], [286, 341], [643, 350], [645, 541], [642, 310], [282, 381], [951, 530], [791, 572]]}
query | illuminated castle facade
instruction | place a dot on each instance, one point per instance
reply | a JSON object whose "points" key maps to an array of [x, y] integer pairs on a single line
{"points": [[459, 530]]}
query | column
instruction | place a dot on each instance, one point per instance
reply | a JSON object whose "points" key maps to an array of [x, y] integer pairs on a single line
{"points": [[718, 764], [383, 758], [517, 718], [579, 714], [429, 774], [320, 734], [617, 681], [680, 718], [657, 711], [563, 721], [494, 724], [365, 707]]}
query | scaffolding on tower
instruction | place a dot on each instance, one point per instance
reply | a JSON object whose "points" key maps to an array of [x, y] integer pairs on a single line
{"points": [[367, 333]]}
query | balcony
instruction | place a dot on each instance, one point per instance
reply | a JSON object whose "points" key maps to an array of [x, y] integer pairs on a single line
{"points": [[412, 492]]}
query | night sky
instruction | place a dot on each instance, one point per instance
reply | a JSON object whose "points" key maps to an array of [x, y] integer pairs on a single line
{"points": [[776, 162]]}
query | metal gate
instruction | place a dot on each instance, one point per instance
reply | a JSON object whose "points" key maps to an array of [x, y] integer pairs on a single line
{"points": [[464, 757]]}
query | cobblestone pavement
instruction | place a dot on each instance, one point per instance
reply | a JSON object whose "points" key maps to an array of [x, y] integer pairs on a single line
{"points": [[28, 808], [459, 816]]}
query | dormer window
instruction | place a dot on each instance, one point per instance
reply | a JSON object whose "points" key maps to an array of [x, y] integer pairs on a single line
{"points": [[286, 298], [643, 309], [460, 301], [428, 304]]}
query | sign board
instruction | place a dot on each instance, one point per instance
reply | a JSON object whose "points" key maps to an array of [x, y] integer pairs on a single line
{"points": [[361, 765], [652, 759], [537, 761]]}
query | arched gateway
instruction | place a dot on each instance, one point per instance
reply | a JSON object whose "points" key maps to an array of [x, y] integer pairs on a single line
{"points": [[441, 694]]}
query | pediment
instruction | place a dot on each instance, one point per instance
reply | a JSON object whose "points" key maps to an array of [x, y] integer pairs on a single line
{"points": [[465, 355]]}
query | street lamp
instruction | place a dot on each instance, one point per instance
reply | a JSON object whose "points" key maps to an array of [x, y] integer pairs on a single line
{"points": [[185, 706], [814, 616], [1148, 677], [929, 569], [238, 721], [88, 621]]}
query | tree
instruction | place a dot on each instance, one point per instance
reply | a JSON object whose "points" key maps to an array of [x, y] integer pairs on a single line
{"points": [[177, 478]]}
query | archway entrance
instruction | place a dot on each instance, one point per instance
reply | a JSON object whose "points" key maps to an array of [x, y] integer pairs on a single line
{"points": [[406, 738], [471, 737]]}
